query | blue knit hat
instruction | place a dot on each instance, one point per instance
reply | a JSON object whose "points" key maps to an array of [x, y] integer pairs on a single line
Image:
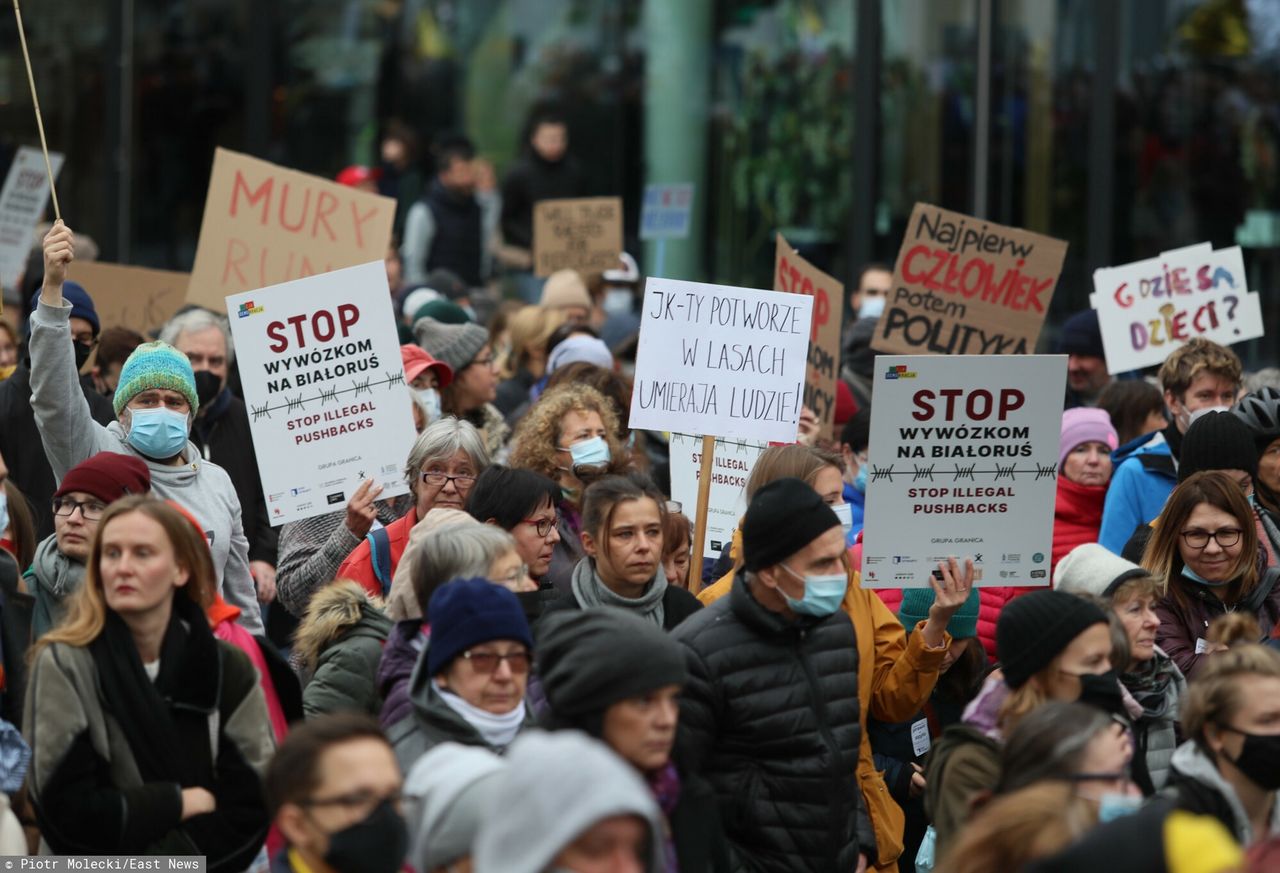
{"points": [[467, 612], [81, 303], [915, 609], [156, 365]]}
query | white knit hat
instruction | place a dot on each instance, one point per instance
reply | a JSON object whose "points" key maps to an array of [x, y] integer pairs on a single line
{"points": [[1091, 569]]}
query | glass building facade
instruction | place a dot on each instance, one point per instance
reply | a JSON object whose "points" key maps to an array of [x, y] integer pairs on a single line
{"points": [[1125, 127]]}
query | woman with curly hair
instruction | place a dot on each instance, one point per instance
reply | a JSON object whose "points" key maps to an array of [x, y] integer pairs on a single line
{"points": [[569, 435]]}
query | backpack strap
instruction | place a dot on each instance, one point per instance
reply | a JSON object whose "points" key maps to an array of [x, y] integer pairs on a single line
{"points": [[380, 557]]}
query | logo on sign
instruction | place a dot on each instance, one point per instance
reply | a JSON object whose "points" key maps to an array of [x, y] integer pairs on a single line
{"points": [[336, 497], [298, 491], [1011, 558], [1038, 574], [1037, 558], [899, 372], [247, 308], [717, 546]]}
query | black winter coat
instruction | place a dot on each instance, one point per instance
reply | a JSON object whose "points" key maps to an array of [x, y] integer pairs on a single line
{"points": [[222, 435], [769, 717], [23, 450]]}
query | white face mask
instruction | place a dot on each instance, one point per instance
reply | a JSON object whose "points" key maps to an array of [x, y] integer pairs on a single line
{"points": [[617, 300], [430, 398], [871, 307], [844, 512]]}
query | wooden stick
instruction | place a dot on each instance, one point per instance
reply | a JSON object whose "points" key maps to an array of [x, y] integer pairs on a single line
{"points": [[35, 101], [700, 524]]}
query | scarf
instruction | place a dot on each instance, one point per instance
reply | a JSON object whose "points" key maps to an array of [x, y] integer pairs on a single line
{"points": [[1149, 683], [590, 592], [56, 575], [665, 785], [496, 730], [190, 670]]}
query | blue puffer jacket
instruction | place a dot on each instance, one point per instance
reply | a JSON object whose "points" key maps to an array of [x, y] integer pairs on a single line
{"points": [[1145, 473]]}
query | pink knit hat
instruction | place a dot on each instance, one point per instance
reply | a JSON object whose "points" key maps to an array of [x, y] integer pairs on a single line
{"points": [[1083, 425]]}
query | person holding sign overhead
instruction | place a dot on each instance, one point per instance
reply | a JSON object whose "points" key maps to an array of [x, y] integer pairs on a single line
{"points": [[156, 402]]}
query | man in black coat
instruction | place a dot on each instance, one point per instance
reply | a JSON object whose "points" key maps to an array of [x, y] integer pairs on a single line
{"points": [[20, 442], [221, 433], [769, 715]]}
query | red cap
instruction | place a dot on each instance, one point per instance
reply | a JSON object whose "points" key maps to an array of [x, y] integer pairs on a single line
{"points": [[416, 360], [358, 175], [108, 476], [846, 406]]}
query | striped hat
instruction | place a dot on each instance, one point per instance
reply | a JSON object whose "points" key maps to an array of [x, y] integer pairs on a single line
{"points": [[156, 365]]}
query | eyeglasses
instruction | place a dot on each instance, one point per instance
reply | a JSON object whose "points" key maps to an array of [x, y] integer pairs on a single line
{"points": [[364, 801], [516, 575], [1225, 537], [90, 510], [487, 662], [462, 483], [542, 525]]}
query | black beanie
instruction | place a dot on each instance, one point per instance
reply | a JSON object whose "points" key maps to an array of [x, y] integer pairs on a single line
{"points": [[1218, 441], [1034, 629], [783, 518], [1081, 335], [590, 659]]}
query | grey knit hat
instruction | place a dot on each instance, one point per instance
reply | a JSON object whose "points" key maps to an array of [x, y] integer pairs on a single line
{"points": [[454, 788], [455, 344]]}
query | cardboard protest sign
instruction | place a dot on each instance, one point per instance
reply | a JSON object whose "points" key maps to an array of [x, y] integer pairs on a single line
{"points": [[264, 224], [731, 465], [963, 462], [667, 210], [1148, 308], [320, 362], [22, 201], [583, 235], [965, 286], [794, 274], [138, 298], [713, 359]]}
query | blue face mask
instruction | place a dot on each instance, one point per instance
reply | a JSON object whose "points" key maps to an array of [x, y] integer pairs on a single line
{"points": [[1188, 573], [822, 594], [844, 512], [860, 480], [1114, 806], [158, 433], [4, 511], [590, 453], [430, 398]]}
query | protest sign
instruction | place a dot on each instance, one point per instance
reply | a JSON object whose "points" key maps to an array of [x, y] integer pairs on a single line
{"points": [[583, 235], [264, 225], [320, 362], [1148, 308], [966, 286], [134, 297], [794, 274], [22, 199], [722, 361], [732, 463], [963, 462], [667, 210]]}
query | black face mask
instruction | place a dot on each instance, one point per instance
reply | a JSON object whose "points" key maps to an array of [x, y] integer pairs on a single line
{"points": [[1103, 691], [208, 386], [376, 845], [1259, 759], [82, 354]]}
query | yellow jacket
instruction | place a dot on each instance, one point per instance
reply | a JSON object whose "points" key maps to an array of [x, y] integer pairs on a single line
{"points": [[896, 675]]}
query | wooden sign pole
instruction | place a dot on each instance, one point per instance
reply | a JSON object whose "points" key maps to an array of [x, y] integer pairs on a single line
{"points": [[35, 101], [700, 525]]}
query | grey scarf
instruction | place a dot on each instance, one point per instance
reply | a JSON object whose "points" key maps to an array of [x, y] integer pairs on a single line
{"points": [[590, 591], [57, 577]]}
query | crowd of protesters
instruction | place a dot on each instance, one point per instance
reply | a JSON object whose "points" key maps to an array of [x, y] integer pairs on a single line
{"points": [[516, 667]]}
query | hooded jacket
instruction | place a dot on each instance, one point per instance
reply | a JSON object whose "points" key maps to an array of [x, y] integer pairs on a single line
{"points": [[51, 579], [341, 640], [1143, 477], [431, 721], [896, 675], [1183, 626], [1077, 517], [1197, 786], [405, 642], [70, 435], [770, 718]]}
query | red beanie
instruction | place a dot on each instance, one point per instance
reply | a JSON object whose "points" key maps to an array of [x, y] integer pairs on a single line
{"points": [[846, 406], [108, 476]]}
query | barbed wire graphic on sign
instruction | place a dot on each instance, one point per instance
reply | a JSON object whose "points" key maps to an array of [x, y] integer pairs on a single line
{"points": [[299, 403], [962, 473]]}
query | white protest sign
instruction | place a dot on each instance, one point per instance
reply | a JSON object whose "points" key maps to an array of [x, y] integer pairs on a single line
{"points": [[714, 359], [963, 462], [320, 362], [22, 201], [1147, 309], [731, 465], [667, 210]]}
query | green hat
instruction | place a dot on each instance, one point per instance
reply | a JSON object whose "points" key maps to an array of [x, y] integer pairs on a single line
{"points": [[156, 365], [443, 311], [915, 609]]}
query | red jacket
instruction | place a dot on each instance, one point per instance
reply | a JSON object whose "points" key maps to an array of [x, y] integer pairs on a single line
{"points": [[359, 566], [1077, 517]]}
